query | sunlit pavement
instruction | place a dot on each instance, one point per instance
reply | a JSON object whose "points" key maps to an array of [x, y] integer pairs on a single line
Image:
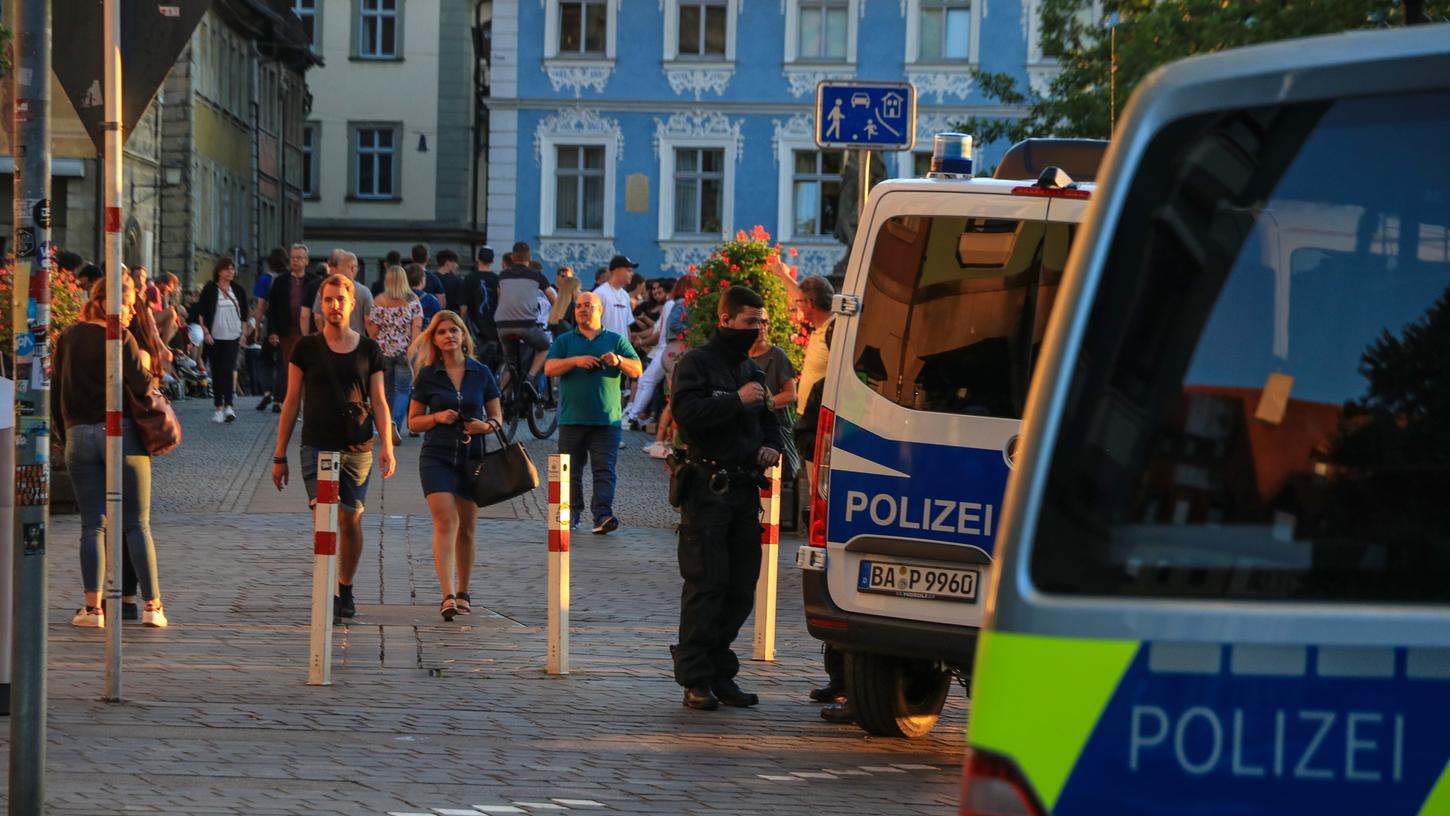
{"points": [[429, 717]]}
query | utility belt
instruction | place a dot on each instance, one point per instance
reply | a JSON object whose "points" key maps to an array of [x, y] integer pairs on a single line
{"points": [[720, 477]]}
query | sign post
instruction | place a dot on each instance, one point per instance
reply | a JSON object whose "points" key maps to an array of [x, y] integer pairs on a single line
{"points": [[30, 319], [765, 585], [324, 568], [558, 620], [865, 116]]}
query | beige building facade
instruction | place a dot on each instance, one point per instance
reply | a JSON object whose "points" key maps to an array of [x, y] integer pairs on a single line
{"points": [[391, 142]]}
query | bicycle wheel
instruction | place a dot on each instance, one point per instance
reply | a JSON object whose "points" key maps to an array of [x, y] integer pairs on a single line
{"points": [[543, 413], [510, 401]]}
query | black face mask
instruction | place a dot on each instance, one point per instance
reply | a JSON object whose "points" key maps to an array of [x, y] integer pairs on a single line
{"points": [[737, 341]]}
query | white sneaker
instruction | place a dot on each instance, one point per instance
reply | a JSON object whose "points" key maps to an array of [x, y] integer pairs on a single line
{"points": [[89, 618], [231, 416], [219, 417], [154, 616]]}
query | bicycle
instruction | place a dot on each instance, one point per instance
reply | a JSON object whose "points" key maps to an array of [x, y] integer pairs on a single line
{"points": [[538, 406]]}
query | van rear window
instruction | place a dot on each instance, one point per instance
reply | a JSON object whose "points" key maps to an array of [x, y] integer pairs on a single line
{"points": [[1261, 405], [954, 309]]}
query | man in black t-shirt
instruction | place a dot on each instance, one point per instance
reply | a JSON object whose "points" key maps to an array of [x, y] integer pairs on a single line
{"points": [[335, 372]]}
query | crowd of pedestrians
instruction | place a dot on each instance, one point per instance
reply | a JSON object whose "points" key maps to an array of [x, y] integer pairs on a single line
{"points": [[420, 352]]}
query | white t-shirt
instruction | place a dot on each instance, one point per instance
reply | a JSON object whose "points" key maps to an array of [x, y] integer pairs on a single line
{"points": [[226, 324], [617, 312], [813, 367]]}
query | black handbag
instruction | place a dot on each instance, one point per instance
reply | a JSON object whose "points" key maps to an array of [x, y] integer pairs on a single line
{"points": [[503, 474]]}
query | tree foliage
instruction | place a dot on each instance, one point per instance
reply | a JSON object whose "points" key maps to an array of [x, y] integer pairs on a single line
{"points": [[1148, 35], [749, 260]]}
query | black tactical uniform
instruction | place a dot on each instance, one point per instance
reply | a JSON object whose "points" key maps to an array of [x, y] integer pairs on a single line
{"points": [[720, 483]]}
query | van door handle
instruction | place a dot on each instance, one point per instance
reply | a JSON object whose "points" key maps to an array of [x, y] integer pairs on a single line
{"points": [[845, 304]]}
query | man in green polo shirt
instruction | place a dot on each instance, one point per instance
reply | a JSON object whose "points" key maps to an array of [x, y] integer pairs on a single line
{"points": [[589, 361]]}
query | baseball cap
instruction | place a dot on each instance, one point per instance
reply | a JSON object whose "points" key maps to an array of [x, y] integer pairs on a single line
{"points": [[485, 254], [622, 260]]}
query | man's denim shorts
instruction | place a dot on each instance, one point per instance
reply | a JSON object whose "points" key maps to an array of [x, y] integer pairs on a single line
{"points": [[352, 482]]}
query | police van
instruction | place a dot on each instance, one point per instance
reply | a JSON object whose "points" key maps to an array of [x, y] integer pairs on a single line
{"points": [[937, 330], [1223, 562]]}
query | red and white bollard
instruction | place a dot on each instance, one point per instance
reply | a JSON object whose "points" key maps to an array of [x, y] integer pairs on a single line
{"points": [[769, 561], [324, 568], [558, 563]]}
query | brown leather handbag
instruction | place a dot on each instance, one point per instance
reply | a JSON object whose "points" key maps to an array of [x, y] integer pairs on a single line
{"points": [[155, 422]]}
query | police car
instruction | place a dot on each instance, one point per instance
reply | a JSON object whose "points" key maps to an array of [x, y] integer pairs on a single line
{"points": [[949, 286], [1223, 565]]}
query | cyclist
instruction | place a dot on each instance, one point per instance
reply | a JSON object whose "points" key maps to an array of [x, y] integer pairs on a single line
{"points": [[517, 315]]}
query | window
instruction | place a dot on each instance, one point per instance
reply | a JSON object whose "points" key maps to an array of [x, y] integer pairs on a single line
{"points": [[306, 10], [699, 190], [945, 30], [309, 161], [702, 29], [954, 308], [583, 28], [579, 188], [920, 164], [1258, 410], [822, 30], [815, 192], [376, 161], [378, 29]]}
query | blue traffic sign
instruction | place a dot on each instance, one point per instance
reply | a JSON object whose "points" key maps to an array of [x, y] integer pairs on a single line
{"points": [[866, 115]]}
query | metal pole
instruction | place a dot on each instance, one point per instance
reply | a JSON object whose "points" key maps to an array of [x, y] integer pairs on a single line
{"points": [[557, 661], [863, 158], [324, 568], [31, 323], [7, 540], [1112, 79], [765, 585], [111, 128]]}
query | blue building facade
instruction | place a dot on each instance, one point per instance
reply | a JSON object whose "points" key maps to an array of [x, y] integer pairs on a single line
{"points": [[656, 128]]}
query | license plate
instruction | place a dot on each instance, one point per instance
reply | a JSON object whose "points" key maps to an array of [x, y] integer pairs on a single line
{"points": [[915, 581]]}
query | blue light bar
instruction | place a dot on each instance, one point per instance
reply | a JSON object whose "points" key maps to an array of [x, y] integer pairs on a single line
{"points": [[951, 154]]}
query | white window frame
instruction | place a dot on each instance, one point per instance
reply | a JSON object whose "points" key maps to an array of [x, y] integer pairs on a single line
{"points": [[305, 9], [668, 144], [311, 177], [362, 42], [549, 145], [551, 34], [785, 191], [672, 35], [792, 34], [974, 37], [1034, 30], [395, 152]]}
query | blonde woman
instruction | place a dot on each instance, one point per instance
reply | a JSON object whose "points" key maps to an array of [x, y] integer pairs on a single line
{"points": [[455, 405], [561, 314], [394, 322]]}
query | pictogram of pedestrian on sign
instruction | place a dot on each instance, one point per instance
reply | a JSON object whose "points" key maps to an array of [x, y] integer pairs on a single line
{"points": [[833, 131]]}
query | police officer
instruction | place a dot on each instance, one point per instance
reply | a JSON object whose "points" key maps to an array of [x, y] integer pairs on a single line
{"points": [[730, 437]]}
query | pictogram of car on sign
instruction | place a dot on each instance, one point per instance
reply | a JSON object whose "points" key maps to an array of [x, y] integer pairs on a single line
{"points": [[860, 100]]}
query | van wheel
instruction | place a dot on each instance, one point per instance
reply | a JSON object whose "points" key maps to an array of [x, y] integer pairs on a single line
{"points": [[895, 697]]}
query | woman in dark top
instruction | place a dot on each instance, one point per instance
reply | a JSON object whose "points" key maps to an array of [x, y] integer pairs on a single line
{"points": [[455, 404], [222, 312], [79, 415]]}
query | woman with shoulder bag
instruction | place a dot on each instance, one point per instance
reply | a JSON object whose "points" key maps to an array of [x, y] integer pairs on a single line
{"points": [[455, 404], [222, 310], [79, 416]]}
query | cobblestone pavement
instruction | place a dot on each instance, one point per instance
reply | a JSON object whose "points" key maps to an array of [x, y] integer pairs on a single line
{"points": [[428, 717]]}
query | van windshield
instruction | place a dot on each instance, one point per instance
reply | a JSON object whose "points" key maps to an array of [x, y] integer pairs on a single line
{"points": [[954, 309], [1261, 405]]}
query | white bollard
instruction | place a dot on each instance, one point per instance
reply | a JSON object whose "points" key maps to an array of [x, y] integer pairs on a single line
{"points": [[769, 561], [324, 568], [558, 563]]}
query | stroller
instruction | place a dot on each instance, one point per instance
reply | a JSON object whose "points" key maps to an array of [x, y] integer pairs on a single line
{"points": [[192, 380]]}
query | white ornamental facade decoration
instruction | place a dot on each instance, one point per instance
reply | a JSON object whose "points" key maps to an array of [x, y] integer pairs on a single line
{"points": [[816, 260], [697, 81], [698, 124], [680, 257], [929, 125], [802, 82], [578, 77], [941, 83], [799, 126], [577, 122], [581, 253]]}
